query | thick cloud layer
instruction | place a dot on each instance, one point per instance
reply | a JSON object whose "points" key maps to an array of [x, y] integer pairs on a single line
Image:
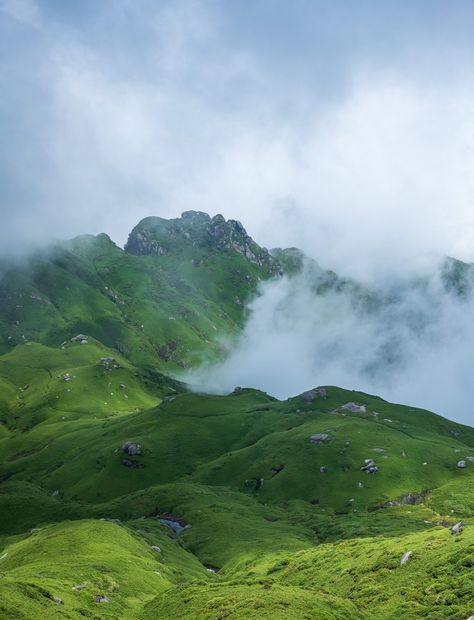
{"points": [[346, 130]]}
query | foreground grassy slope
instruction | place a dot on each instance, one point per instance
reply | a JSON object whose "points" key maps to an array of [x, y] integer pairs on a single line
{"points": [[240, 471]]}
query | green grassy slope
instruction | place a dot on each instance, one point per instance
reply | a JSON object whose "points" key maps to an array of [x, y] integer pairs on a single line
{"points": [[237, 506], [241, 472], [160, 311]]}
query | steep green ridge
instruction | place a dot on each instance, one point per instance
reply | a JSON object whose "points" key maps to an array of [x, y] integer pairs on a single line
{"points": [[122, 493], [165, 311]]}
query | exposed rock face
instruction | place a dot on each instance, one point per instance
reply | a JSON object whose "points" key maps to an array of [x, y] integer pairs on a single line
{"points": [[160, 237], [311, 395]]}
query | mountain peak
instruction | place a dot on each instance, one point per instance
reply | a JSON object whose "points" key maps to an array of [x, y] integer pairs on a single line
{"points": [[157, 236]]}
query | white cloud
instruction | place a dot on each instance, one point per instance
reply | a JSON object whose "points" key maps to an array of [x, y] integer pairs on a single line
{"points": [[416, 349]]}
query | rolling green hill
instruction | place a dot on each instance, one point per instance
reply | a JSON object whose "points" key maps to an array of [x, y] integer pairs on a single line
{"points": [[125, 495]]}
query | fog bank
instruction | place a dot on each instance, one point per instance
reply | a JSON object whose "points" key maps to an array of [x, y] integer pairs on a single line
{"points": [[411, 343]]}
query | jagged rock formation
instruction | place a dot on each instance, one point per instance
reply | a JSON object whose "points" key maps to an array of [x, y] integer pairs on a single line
{"points": [[159, 237]]}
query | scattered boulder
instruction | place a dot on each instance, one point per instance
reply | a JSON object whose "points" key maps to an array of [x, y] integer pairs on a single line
{"points": [[109, 363], [100, 598], [323, 469], [57, 600], [65, 377], [461, 464], [79, 586], [470, 459], [354, 408], [79, 338], [405, 557], [131, 448], [458, 528], [132, 464], [156, 548], [369, 466], [319, 438]]}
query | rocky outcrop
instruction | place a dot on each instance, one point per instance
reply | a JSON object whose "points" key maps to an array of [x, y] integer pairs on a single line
{"points": [[319, 438], [311, 395], [160, 237], [369, 467], [353, 408], [132, 448]]}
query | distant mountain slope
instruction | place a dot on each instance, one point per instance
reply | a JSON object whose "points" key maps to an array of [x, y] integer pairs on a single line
{"points": [[166, 310]]}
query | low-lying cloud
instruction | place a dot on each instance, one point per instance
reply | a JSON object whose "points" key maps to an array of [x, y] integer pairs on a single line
{"points": [[410, 343]]}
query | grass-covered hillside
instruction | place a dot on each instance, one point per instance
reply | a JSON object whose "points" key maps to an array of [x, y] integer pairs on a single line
{"points": [[166, 310], [125, 495]]}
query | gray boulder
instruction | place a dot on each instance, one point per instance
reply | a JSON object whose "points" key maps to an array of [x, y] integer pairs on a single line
{"points": [[100, 598], [369, 466], [131, 448], [405, 557], [461, 464], [319, 438], [354, 408], [458, 528]]}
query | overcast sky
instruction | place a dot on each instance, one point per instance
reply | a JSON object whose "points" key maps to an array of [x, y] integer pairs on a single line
{"points": [[344, 127]]}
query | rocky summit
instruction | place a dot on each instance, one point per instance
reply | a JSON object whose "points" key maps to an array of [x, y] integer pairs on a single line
{"points": [[197, 230], [124, 494]]}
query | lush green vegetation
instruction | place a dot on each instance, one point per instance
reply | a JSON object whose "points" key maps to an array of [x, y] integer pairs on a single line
{"points": [[123, 495]]}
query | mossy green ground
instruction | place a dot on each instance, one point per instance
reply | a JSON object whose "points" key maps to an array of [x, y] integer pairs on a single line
{"points": [[288, 539], [240, 470]]}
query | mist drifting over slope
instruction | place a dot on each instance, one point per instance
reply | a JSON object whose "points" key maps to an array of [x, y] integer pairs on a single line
{"points": [[411, 342], [346, 129]]}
